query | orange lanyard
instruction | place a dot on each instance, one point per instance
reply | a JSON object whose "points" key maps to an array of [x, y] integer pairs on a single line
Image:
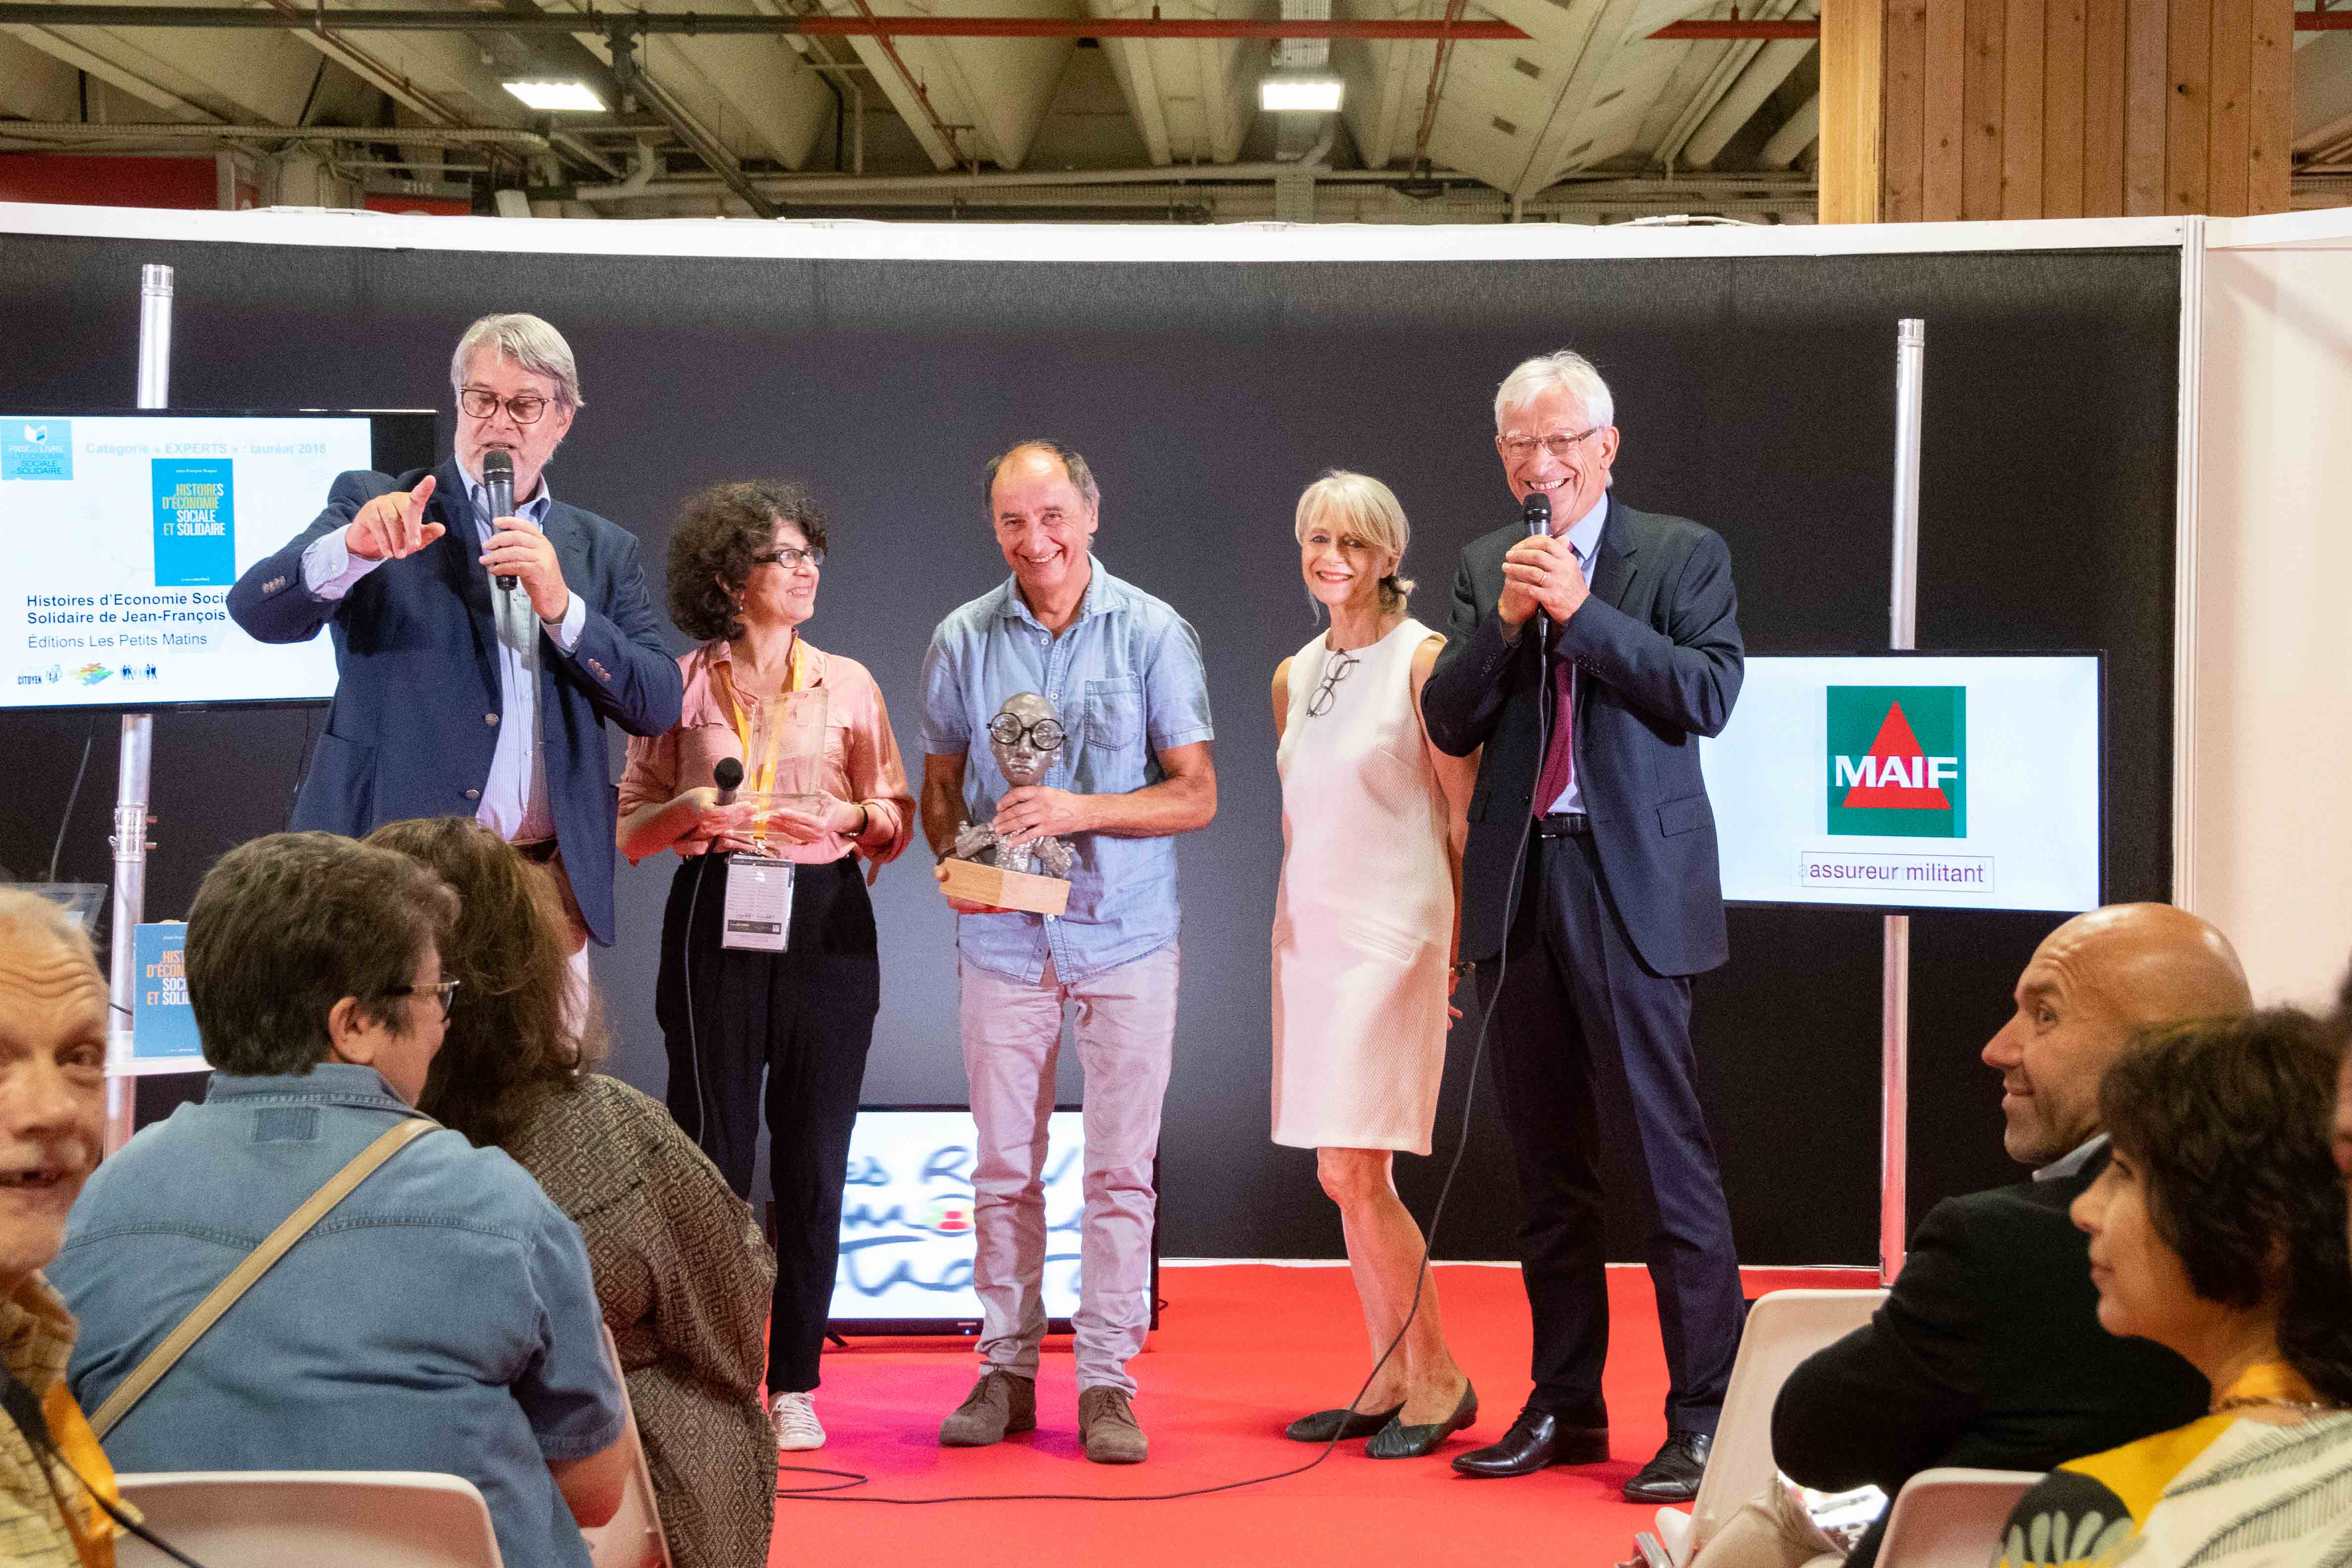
{"points": [[763, 776], [93, 1533]]}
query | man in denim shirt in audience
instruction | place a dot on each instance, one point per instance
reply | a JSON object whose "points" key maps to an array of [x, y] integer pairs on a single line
{"points": [[440, 1318], [1130, 770]]}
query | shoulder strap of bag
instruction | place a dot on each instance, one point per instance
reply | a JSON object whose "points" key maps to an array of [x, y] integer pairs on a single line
{"points": [[257, 1262]]}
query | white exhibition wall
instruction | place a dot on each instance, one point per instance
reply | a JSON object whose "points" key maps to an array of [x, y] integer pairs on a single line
{"points": [[2267, 751]]}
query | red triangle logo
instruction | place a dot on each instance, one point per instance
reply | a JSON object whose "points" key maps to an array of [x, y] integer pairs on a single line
{"points": [[1900, 761]]}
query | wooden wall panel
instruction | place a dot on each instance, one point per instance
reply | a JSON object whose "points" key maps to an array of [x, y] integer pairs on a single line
{"points": [[1907, 110], [1945, 136], [2024, 42], [2024, 109], [2063, 80]]}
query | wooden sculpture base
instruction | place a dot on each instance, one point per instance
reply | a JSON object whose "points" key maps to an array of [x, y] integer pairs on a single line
{"points": [[1007, 889]]}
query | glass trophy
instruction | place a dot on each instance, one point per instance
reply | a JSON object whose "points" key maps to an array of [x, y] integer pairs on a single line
{"points": [[787, 761]]}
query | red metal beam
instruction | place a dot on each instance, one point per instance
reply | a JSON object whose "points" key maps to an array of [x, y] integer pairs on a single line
{"points": [[1708, 30], [1142, 27]]}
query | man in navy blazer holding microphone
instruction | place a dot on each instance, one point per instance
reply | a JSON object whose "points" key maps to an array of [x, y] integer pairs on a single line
{"points": [[480, 655], [1591, 883]]}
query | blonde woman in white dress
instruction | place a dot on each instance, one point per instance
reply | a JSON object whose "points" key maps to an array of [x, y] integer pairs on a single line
{"points": [[1365, 937]]}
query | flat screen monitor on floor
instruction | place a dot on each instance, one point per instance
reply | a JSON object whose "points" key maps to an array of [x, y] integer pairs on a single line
{"points": [[1913, 782], [906, 1222], [123, 532]]}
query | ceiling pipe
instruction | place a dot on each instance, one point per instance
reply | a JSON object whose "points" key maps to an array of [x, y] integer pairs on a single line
{"points": [[1450, 28], [798, 187], [1802, 130], [635, 83], [186, 131]]}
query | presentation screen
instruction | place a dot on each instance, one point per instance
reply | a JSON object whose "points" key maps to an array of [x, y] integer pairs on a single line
{"points": [[1912, 780], [125, 532], [906, 1222]]}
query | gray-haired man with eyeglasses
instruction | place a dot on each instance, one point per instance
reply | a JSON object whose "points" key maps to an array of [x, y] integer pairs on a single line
{"points": [[1120, 678], [480, 655]]}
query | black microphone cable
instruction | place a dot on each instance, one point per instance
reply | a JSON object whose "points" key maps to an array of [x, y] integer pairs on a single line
{"points": [[22, 1410], [848, 1481]]}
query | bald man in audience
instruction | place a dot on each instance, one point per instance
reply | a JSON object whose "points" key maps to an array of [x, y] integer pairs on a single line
{"points": [[1988, 1353], [52, 1085]]}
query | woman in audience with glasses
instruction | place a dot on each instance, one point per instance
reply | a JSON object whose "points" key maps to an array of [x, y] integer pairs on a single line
{"points": [[1365, 937], [680, 1270], [2217, 1230], [797, 1002]]}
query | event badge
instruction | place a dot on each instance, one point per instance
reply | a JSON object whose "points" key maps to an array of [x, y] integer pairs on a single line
{"points": [[759, 904]]}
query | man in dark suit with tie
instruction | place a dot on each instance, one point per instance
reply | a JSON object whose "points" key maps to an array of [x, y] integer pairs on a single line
{"points": [[460, 697], [1588, 662]]}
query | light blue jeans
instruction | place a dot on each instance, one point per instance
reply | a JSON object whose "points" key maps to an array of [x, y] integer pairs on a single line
{"points": [[1011, 1035]]}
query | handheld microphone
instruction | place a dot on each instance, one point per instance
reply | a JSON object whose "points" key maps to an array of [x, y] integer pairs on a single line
{"points": [[728, 775], [1535, 512], [497, 484]]}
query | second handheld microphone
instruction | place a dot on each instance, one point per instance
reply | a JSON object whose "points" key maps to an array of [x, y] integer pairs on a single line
{"points": [[729, 776], [1535, 512], [497, 486]]}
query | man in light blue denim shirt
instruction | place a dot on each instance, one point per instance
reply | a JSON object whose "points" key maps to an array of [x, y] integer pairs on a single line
{"points": [[440, 1318], [1123, 671]]}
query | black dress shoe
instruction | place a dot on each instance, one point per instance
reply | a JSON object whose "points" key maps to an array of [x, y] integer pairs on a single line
{"points": [[1535, 1439], [1398, 1441], [1339, 1425], [1674, 1475]]}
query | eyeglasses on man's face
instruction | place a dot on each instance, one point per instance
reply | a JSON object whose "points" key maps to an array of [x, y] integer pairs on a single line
{"points": [[524, 408], [1559, 444], [790, 559], [446, 991], [1044, 735]]}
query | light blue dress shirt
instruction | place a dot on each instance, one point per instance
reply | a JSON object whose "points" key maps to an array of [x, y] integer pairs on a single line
{"points": [[1583, 536], [514, 796], [1126, 678], [441, 1317]]}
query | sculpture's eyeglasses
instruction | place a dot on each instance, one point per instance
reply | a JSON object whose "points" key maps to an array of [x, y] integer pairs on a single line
{"points": [[1333, 673], [446, 991], [1045, 734], [790, 559], [1560, 445], [479, 403]]}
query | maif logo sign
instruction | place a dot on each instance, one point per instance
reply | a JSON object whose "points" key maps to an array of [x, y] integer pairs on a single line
{"points": [[1898, 761]]}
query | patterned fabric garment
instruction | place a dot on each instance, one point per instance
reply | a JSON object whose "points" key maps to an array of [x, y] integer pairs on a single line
{"points": [[2223, 1492], [47, 1520], [683, 1278]]}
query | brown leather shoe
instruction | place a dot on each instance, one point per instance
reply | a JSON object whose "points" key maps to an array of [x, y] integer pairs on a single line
{"points": [[999, 1404], [1107, 1426]]}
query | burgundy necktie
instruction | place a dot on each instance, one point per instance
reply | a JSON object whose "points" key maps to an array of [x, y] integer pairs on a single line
{"points": [[1559, 757]]}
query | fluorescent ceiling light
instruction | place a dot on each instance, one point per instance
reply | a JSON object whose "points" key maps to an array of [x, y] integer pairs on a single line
{"points": [[554, 95], [1283, 92]]}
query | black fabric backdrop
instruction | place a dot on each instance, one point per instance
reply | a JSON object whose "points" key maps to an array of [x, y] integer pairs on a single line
{"points": [[1754, 394]]}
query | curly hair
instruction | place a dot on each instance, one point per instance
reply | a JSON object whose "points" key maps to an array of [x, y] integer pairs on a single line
{"points": [[719, 531], [511, 1038], [2229, 1119]]}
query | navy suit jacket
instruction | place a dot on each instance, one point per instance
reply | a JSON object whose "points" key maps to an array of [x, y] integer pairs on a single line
{"points": [[1658, 664], [415, 714]]}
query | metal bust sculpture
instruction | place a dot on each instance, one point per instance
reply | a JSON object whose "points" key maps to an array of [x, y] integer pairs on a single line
{"points": [[1025, 737]]}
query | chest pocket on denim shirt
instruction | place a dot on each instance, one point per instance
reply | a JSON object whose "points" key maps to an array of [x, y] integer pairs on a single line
{"points": [[1114, 712]]}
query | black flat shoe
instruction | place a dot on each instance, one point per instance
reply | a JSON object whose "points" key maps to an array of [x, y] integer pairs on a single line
{"points": [[1398, 1441], [1535, 1439], [1674, 1475], [1339, 1425]]}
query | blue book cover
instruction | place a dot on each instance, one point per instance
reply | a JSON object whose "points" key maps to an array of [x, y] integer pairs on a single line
{"points": [[195, 523], [163, 1026]]}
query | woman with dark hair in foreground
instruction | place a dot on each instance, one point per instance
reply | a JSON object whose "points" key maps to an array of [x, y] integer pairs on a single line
{"points": [[682, 1275], [2217, 1230]]}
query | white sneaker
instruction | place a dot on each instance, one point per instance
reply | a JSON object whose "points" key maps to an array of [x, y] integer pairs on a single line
{"points": [[793, 1417]]}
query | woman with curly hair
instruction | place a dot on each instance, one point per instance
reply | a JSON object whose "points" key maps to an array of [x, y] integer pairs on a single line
{"points": [[743, 572], [679, 1267], [2217, 1230]]}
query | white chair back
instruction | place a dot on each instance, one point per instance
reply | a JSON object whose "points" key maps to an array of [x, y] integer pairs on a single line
{"points": [[301, 1518], [632, 1538], [1784, 1327], [1951, 1517]]}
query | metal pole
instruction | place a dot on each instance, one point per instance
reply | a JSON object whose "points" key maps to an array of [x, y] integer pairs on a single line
{"points": [[131, 774], [1895, 978]]}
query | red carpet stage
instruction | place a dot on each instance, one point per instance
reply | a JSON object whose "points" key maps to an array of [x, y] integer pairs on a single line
{"points": [[1242, 1348]]}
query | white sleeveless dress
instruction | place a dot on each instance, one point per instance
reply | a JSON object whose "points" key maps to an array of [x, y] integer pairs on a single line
{"points": [[1363, 923]]}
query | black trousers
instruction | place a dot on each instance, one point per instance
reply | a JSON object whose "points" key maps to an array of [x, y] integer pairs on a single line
{"points": [[805, 1017], [1592, 1048]]}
